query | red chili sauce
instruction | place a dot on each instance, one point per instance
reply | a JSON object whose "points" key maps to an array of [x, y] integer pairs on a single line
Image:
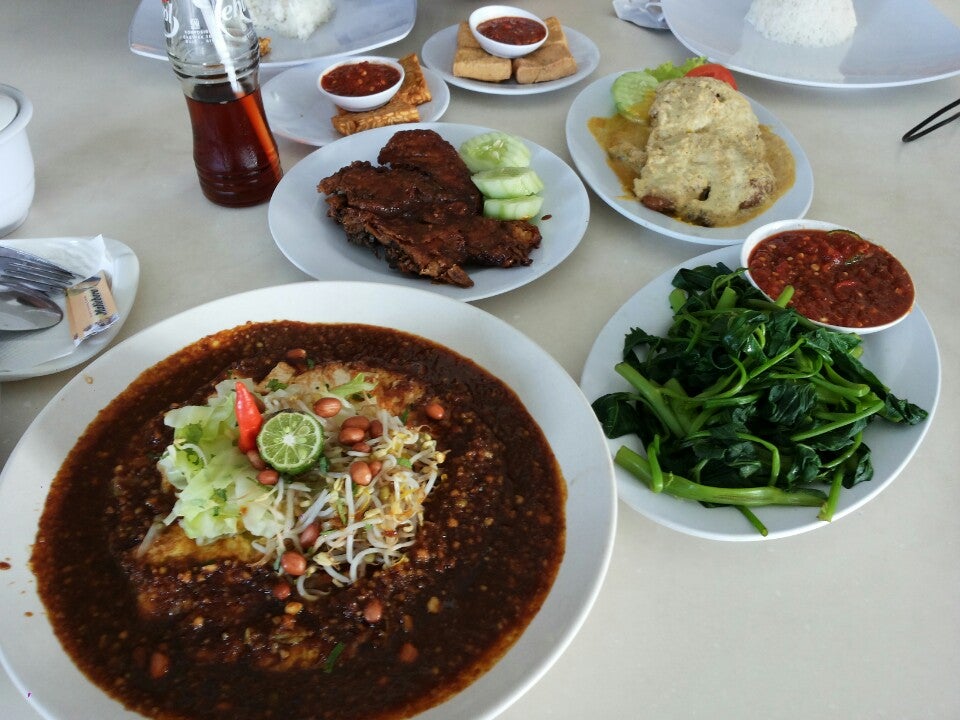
{"points": [[360, 78], [838, 277], [513, 30]]}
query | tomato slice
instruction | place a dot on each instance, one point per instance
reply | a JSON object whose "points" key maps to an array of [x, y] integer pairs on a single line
{"points": [[714, 70]]}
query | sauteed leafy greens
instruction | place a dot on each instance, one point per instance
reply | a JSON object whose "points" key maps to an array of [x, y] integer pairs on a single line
{"points": [[745, 403]]}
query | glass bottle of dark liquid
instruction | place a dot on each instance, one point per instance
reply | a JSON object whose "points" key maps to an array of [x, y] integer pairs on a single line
{"points": [[214, 50]]}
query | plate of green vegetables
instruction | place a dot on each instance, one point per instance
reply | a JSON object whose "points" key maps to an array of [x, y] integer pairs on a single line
{"points": [[732, 418]]}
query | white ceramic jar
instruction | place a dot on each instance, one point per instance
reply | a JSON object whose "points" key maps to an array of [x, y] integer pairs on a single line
{"points": [[16, 160]]}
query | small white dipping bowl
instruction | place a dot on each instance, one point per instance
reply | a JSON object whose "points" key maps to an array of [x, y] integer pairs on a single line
{"points": [[504, 50], [766, 231], [360, 103], [16, 160]]}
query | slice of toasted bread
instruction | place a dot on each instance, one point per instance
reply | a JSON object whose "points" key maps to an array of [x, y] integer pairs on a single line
{"points": [[551, 62], [394, 112], [414, 90]]}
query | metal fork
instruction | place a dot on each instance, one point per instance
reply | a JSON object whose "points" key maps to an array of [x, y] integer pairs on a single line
{"points": [[33, 271]]}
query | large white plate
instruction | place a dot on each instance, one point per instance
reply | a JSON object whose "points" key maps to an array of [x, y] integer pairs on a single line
{"points": [[317, 245], [897, 42], [297, 111], [356, 26], [904, 357], [124, 269], [591, 160], [439, 49], [60, 692]]}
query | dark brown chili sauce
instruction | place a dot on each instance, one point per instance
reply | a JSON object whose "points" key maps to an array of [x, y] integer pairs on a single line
{"points": [[360, 78], [484, 560], [513, 30], [838, 277]]}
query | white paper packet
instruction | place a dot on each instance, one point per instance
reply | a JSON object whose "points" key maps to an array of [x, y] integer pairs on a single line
{"points": [[20, 351], [640, 12]]}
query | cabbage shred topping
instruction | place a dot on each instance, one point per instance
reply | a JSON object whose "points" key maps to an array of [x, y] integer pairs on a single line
{"points": [[218, 494]]}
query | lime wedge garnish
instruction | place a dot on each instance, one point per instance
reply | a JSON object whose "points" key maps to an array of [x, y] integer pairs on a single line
{"points": [[290, 442]]}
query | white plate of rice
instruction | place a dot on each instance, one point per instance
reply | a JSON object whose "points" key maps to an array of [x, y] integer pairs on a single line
{"points": [[299, 30], [895, 42]]}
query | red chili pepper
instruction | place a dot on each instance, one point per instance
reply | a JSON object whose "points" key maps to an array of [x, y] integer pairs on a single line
{"points": [[249, 418]]}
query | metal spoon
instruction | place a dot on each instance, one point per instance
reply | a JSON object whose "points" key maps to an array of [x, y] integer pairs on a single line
{"points": [[23, 309]]}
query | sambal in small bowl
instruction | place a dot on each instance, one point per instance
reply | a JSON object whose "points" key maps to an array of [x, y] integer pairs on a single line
{"points": [[829, 274], [361, 83], [507, 32]]}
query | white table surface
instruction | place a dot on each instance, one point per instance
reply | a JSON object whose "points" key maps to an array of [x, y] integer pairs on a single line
{"points": [[857, 620]]}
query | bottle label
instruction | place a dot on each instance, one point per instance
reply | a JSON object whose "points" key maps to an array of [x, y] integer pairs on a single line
{"points": [[193, 21]]}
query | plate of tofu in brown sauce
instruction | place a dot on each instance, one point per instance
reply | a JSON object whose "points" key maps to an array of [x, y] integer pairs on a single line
{"points": [[397, 205], [299, 112], [609, 170], [565, 58]]}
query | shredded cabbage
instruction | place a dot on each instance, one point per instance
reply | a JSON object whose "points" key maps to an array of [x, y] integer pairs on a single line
{"points": [[218, 494]]}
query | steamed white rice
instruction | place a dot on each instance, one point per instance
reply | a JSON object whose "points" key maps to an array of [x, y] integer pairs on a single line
{"points": [[290, 18], [812, 23]]}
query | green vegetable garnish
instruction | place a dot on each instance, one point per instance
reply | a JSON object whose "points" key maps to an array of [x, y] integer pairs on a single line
{"points": [[744, 403], [632, 90]]}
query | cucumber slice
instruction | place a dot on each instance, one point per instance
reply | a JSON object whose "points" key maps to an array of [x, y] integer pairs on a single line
{"points": [[508, 182], [494, 149], [632, 94], [515, 208]]}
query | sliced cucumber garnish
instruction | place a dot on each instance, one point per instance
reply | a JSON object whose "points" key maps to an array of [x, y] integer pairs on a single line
{"points": [[508, 182], [632, 94], [494, 149], [514, 208]]}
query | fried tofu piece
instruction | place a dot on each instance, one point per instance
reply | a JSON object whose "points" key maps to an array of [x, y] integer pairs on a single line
{"points": [[551, 62], [473, 62]]}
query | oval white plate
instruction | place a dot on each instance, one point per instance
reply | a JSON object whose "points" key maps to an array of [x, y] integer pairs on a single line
{"points": [[897, 42], [318, 246], [439, 49], [60, 692], [591, 160], [124, 270], [356, 26], [298, 112], [904, 357]]}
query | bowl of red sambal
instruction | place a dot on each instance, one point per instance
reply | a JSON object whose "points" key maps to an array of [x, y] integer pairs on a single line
{"points": [[361, 83], [506, 31], [831, 275]]}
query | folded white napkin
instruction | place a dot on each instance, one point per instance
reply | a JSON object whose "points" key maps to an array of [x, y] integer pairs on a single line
{"points": [[21, 351], [640, 12]]}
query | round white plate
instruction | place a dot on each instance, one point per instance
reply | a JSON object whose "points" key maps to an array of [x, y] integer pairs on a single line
{"points": [[591, 160], [897, 42], [60, 692], [318, 246], [904, 357], [297, 111], [356, 26], [439, 49], [124, 270]]}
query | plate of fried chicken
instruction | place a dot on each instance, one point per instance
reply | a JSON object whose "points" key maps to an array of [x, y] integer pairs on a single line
{"points": [[397, 205]]}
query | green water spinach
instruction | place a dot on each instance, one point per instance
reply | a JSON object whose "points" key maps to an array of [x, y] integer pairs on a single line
{"points": [[745, 403]]}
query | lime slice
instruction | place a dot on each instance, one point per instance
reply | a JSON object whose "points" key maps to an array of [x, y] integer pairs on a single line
{"points": [[290, 442]]}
